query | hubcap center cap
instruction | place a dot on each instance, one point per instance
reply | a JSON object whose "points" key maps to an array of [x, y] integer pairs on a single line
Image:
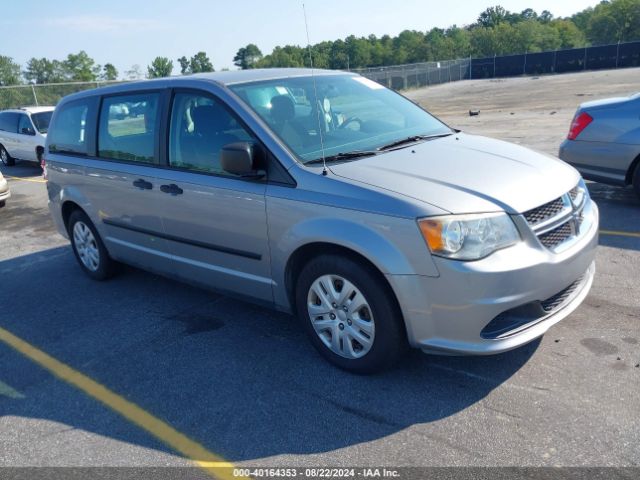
{"points": [[342, 315]]}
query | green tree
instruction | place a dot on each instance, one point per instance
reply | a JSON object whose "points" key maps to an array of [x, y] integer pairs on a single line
{"points": [[184, 65], [614, 21], [200, 63], [80, 67], [545, 17], [160, 67], [9, 71], [43, 70], [248, 57], [570, 34], [109, 72], [492, 17], [134, 73]]}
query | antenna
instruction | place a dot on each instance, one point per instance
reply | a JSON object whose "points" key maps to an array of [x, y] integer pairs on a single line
{"points": [[315, 93]]}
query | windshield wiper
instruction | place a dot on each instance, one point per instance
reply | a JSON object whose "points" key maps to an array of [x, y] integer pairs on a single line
{"points": [[412, 139], [344, 156]]}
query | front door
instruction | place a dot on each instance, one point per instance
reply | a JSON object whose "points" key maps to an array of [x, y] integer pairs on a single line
{"points": [[215, 222], [26, 134]]}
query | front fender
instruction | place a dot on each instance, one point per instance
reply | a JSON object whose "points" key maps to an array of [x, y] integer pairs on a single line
{"points": [[393, 244]]}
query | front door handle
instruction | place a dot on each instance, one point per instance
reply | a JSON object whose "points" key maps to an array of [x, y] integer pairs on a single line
{"points": [[172, 189], [143, 184]]}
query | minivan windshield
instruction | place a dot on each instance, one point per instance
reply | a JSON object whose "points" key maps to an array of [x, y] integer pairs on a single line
{"points": [[41, 121], [349, 116]]}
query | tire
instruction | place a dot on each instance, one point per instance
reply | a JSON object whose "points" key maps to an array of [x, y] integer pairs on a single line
{"points": [[6, 159], [636, 180], [90, 252], [371, 315]]}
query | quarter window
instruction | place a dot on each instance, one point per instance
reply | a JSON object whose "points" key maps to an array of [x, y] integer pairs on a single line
{"points": [[128, 126], [69, 132], [200, 127]]}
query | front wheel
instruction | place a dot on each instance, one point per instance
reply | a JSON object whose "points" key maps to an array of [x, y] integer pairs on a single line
{"points": [[350, 314], [5, 158], [88, 247]]}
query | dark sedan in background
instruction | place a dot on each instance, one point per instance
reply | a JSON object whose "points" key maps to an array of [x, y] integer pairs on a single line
{"points": [[604, 141]]}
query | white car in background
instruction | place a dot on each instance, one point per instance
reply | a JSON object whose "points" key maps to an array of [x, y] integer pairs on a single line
{"points": [[4, 191], [23, 132]]}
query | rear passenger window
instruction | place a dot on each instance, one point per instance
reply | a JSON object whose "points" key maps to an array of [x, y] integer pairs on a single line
{"points": [[68, 134], [128, 126], [9, 122], [200, 127]]}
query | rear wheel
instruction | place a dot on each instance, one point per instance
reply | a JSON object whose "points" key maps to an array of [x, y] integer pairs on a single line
{"points": [[636, 180], [350, 314], [6, 159], [88, 247]]}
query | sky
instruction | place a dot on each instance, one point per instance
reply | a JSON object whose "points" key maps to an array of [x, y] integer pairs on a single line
{"points": [[128, 32]]}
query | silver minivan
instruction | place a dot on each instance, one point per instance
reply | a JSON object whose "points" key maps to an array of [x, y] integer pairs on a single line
{"points": [[325, 195]]}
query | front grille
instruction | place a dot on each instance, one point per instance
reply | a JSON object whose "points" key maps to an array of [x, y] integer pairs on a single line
{"points": [[556, 236], [573, 193], [545, 212], [551, 303], [559, 220]]}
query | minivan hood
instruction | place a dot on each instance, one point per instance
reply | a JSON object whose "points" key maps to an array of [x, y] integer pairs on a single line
{"points": [[466, 174]]}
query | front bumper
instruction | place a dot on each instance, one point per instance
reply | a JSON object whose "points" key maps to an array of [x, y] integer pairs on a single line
{"points": [[5, 193], [447, 314]]}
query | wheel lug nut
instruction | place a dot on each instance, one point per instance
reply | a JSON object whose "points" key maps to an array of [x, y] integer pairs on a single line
{"points": [[349, 322], [341, 326], [334, 305], [345, 308], [332, 316]]}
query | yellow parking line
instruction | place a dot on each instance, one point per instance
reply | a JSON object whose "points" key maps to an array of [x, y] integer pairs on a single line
{"points": [[620, 233], [213, 464], [26, 179]]}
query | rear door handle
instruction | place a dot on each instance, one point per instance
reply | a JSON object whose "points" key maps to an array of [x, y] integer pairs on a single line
{"points": [[143, 184], [172, 189]]}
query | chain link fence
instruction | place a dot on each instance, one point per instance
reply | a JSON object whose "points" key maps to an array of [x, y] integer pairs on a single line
{"points": [[414, 75], [620, 55], [402, 77], [43, 94]]}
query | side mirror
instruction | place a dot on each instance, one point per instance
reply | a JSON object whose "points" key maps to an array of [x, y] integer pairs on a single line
{"points": [[241, 158], [27, 131]]}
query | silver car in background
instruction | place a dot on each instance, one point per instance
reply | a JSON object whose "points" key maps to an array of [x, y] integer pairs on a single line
{"points": [[330, 197], [604, 141]]}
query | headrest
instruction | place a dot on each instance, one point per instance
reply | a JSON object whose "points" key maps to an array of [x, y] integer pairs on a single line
{"points": [[210, 119], [282, 108]]}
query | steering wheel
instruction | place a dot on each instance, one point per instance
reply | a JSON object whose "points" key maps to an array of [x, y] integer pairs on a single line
{"points": [[349, 121]]}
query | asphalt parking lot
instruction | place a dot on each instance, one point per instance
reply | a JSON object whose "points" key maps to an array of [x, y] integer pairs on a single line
{"points": [[243, 383]]}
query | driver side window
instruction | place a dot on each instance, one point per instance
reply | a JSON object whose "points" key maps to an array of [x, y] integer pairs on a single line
{"points": [[24, 126], [200, 127]]}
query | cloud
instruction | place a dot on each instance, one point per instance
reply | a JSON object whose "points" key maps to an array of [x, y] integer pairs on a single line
{"points": [[103, 24]]}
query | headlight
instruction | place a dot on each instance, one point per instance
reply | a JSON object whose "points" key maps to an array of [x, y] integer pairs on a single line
{"points": [[468, 237]]}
